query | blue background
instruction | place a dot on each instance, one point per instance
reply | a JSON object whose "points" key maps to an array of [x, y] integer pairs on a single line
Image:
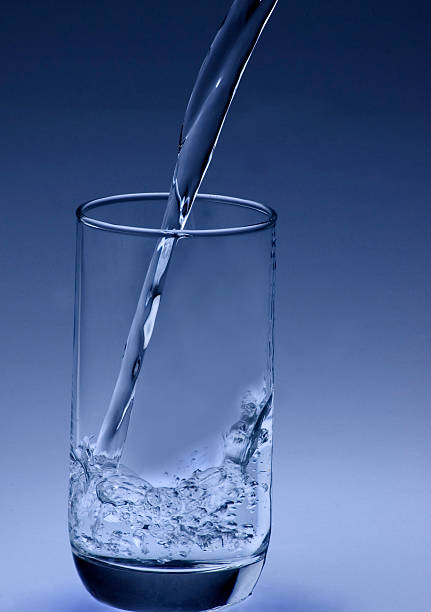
{"points": [[331, 126]]}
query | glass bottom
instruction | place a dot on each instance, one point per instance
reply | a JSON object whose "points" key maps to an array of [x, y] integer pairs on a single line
{"points": [[153, 588]]}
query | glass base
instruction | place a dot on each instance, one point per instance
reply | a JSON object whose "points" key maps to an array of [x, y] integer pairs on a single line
{"points": [[154, 588]]}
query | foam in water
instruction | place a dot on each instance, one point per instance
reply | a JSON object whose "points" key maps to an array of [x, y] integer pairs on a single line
{"points": [[209, 103], [115, 513]]}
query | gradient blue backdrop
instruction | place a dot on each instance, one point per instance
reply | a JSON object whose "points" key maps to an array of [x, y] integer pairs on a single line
{"points": [[331, 126]]}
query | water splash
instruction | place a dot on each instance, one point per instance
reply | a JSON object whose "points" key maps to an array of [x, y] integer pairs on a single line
{"points": [[116, 513]]}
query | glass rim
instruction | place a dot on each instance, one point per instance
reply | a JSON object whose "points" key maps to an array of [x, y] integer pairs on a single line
{"points": [[81, 213]]}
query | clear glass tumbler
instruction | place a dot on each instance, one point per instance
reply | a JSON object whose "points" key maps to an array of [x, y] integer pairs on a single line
{"points": [[181, 521]]}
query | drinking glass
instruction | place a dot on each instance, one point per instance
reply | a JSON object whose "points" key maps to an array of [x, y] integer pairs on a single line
{"points": [[181, 521]]}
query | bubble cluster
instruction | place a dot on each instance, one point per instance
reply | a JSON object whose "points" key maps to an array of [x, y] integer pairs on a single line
{"points": [[116, 513]]}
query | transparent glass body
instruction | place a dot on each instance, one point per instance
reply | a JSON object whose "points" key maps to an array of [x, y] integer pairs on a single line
{"points": [[191, 493]]}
